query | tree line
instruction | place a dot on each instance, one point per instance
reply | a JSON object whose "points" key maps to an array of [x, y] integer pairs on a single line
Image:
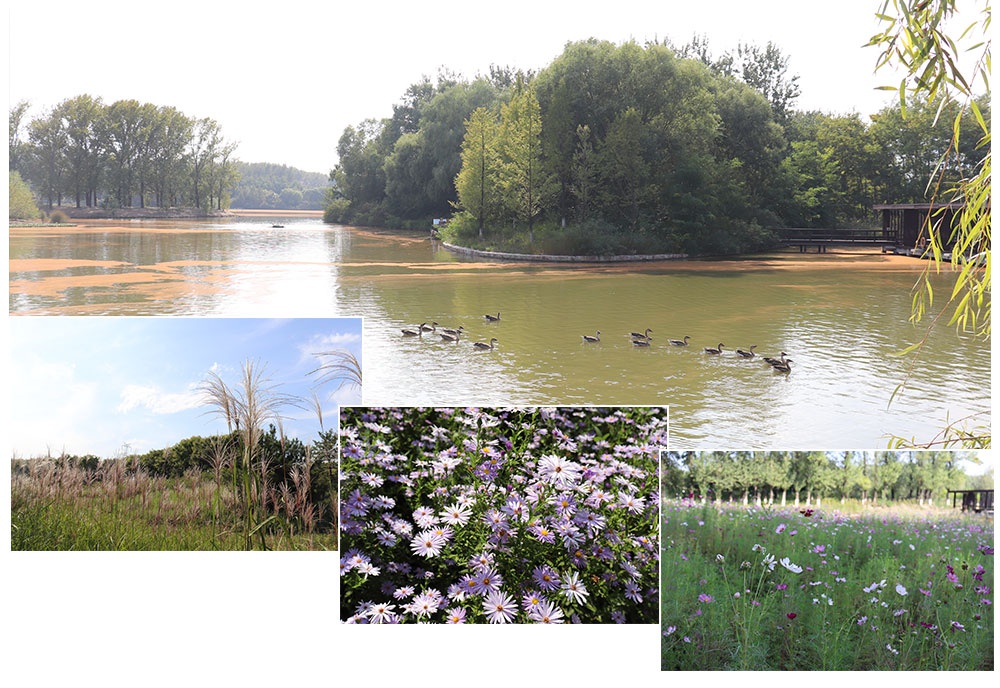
{"points": [[272, 186], [652, 145], [121, 155], [809, 477]]}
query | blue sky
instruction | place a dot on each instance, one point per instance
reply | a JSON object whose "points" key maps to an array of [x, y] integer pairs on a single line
{"points": [[100, 385]]}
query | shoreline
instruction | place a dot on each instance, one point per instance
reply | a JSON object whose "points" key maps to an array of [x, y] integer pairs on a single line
{"points": [[772, 260], [544, 258], [163, 214]]}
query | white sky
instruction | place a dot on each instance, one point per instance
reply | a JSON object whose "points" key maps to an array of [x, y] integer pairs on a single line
{"points": [[283, 79], [105, 385]]}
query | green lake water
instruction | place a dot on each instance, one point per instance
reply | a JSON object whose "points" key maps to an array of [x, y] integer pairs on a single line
{"points": [[841, 318]]}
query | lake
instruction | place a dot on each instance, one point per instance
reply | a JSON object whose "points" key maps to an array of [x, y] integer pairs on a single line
{"points": [[841, 317]]}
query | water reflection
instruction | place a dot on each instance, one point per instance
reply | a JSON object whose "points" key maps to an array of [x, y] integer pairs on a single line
{"points": [[842, 321]]}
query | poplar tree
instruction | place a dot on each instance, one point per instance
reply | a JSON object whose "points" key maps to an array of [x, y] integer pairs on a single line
{"points": [[521, 174], [476, 182]]}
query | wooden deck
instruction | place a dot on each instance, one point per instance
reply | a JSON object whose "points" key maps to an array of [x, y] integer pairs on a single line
{"points": [[806, 238]]}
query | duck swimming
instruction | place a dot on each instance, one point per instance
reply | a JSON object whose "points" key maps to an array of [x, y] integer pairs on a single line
{"points": [[414, 333], [480, 346], [747, 354], [592, 338], [638, 335], [774, 361], [710, 350], [492, 318], [784, 366], [680, 342]]}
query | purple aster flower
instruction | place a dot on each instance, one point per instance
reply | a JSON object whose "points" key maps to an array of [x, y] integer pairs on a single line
{"points": [[487, 581], [573, 588], [455, 515], [424, 516], [546, 578], [423, 605], [456, 615], [427, 544], [546, 613], [380, 613], [499, 607], [559, 470]]}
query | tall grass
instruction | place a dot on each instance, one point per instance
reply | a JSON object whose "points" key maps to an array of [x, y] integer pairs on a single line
{"points": [[58, 506], [770, 589], [249, 406]]}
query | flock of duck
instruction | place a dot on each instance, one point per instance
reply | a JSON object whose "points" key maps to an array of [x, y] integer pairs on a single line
{"points": [[453, 335], [782, 364]]}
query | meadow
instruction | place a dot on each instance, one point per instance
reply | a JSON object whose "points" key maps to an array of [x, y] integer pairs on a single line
{"points": [[757, 588], [112, 505], [531, 515]]}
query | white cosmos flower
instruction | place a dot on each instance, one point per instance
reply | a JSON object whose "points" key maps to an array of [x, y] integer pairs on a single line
{"points": [[794, 568], [900, 589]]}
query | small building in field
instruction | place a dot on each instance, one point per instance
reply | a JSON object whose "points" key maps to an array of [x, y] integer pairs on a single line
{"points": [[978, 501]]}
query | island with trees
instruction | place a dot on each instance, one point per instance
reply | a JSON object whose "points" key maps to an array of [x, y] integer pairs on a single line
{"points": [[628, 148]]}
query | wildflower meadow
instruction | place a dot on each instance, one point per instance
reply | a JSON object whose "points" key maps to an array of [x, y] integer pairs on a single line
{"points": [[506, 515], [758, 588]]}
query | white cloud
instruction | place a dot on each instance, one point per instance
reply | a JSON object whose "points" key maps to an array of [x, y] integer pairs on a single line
{"points": [[322, 343], [158, 401]]}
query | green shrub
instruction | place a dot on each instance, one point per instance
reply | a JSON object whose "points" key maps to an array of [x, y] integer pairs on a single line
{"points": [[22, 203]]}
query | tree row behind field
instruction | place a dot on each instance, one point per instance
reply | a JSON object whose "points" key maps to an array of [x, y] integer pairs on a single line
{"points": [[791, 477]]}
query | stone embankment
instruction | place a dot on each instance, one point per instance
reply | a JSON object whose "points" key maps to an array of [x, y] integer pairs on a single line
{"points": [[542, 258]]}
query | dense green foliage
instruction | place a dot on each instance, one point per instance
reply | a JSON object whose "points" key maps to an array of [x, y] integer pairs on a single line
{"points": [[20, 202], [126, 154], [269, 186], [670, 147], [781, 477]]}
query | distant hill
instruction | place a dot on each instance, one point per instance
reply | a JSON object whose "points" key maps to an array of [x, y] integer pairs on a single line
{"points": [[267, 185]]}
